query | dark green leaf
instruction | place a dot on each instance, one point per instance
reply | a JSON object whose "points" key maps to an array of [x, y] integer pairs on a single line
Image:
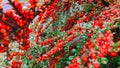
{"points": [[118, 24]]}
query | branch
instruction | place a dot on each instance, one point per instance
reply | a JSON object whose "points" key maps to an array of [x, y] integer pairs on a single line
{"points": [[76, 40], [18, 12], [47, 25], [10, 22]]}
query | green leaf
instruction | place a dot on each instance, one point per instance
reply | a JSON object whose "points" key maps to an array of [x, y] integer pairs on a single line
{"points": [[68, 62], [115, 45], [91, 66], [32, 61], [47, 62], [104, 60], [6, 62], [116, 60], [43, 48], [73, 50], [118, 63], [71, 57], [116, 49], [24, 66], [41, 65], [104, 66], [118, 24], [79, 60], [93, 4], [38, 48], [58, 66], [87, 8], [66, 47], [96, 48], [78, 46]]}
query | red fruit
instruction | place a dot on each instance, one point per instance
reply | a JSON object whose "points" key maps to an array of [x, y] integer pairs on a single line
{"points": [[30, 57], [2, 49], [113, 54], [38, 59], [70, 38], [87, 44], [8, 27], [101, 55], [51, 66], [21, 54], [7, 67], [96, 65], [93, 56], [23, 48], [8, 12], [15, 53], [119, 48], [84, 59], [47, 1], [83, 50], [20, 62], [45, 57], [89, 64], [14, 63], [10, 57], [71, 66]]}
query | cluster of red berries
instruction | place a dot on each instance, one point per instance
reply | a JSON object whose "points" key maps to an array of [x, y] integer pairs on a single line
{"points": [[18, 19], [55, 49], [16, 64], [2, 49], [99, 49], [33, 3], [70, 38], [47, 41], [75, 63], [48, 11], [105, 44], [4, 29]]}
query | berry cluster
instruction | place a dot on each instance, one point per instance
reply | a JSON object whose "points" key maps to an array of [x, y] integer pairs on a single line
{"points": [[80, 33], [75, 63]]}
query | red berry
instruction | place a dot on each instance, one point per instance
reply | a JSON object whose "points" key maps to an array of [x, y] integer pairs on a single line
{"points": [[10, 57], [84, 59], [96, 65], [15, 53], [47, 1], [113, 54], [93, 56], [29, 56]]}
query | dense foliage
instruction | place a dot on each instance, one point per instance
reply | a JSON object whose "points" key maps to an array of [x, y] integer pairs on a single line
{"points": [[60, 33]]}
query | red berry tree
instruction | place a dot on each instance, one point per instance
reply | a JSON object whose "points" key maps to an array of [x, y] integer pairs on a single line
{"points": [[60, 33]]}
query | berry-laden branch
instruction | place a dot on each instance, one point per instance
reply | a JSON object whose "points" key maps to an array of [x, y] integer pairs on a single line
{"points": [[65, 34], [15, 7], [76, 40]]}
